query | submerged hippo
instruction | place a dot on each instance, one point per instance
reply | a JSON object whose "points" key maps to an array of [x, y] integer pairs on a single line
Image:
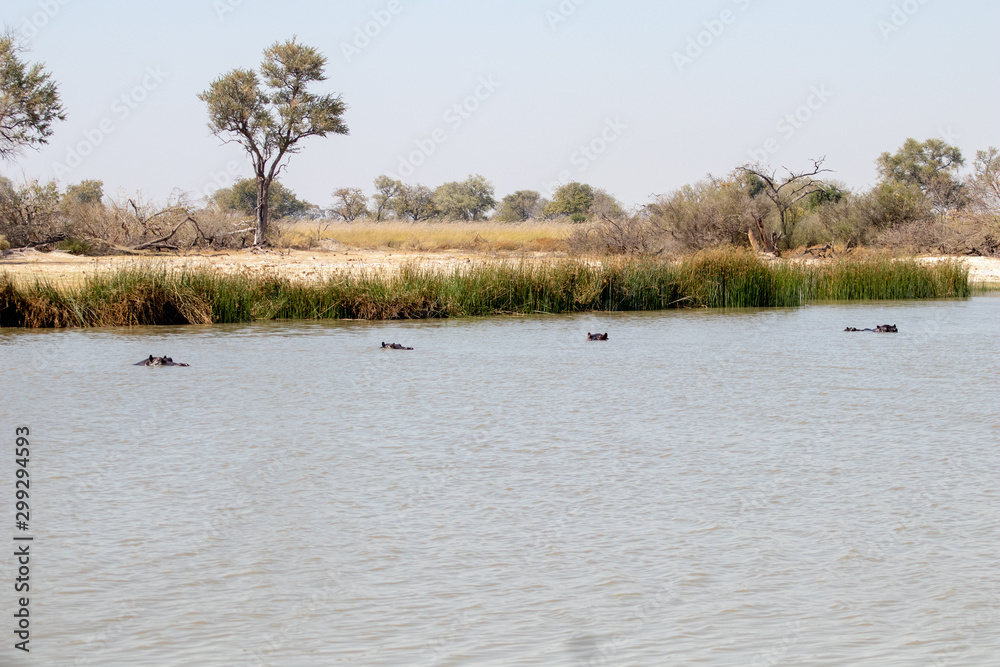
{"points": [[394, 346], [882, 328], [159, 361], [598, 336]]}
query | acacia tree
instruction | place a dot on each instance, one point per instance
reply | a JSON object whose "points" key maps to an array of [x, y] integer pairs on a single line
{"points": [[29, 101], [270, 120], [573, 199], [930, 165], [415, 202], [985, 181], [90, 192], [28, 213], [784, 193], [387, 190], [520, 206], [242, 197], [471, 199], [350, 204]]}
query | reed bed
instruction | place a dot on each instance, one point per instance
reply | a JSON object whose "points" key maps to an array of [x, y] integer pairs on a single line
{"points": [[716, 279]]}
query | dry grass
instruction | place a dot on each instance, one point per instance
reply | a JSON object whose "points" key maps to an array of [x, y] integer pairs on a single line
{"points": [[485, 236]]}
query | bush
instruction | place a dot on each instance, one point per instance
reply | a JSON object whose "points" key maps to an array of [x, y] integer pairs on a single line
{"points": [[619, 235], [242, 198], [572, 199], [75, 247], [520, 206], [4, 243], [707, 214], [881, 216], [29, 212]]}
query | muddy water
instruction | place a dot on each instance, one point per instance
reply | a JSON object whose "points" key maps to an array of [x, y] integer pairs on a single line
{"points": [[740, 488]]}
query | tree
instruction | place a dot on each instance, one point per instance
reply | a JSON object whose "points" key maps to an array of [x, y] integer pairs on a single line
{"points": [[415, 202], [984, 183], [471, 199], [89, 192], [28, 213], [386, 192], [605, 205], [893, 204], [269, 121], [29, 101], [785, 193], [709, 213], [350, 204], [573, 199], [520, 206], [931, 166], [823, 195], [242, 197]]}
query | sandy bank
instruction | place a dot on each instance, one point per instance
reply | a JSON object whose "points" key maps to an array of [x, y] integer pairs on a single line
{"points": [[64, 269]]}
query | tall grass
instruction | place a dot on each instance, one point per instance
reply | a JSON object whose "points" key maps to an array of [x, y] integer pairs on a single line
{"points": [[485, 235], [717, 279]]}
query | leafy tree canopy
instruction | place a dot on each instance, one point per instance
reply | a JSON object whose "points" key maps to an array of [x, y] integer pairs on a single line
{"points": [[920, 163], [572, 199], [520, 206], [415, 202], [268, 115], [931, 165], [85, 192], [29, 101], [350, 204], [471, 199], [387, 190], [242, 197], [828, 194]]}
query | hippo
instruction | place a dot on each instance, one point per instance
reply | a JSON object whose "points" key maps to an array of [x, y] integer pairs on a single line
{"points": [[597, 336], [882, 328], [159, 361], [394, 346]]}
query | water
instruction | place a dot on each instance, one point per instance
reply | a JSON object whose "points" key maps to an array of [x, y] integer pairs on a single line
{"points": [[713, 488]]}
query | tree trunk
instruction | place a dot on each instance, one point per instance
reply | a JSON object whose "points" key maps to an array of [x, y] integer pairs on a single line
{"points": [[263, 189]]}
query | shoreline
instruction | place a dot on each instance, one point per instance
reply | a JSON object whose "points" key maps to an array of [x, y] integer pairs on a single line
{"points": [[61, 269], [132, 294]]}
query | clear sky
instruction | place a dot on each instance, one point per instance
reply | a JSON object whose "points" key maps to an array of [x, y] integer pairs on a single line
{"points": [[660, 93]]}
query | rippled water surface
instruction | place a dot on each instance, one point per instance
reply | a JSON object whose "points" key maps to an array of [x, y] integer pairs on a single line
{"points": [[711, 488]]}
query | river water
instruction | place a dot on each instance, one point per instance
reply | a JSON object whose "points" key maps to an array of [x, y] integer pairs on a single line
{"points": [[707, 487]]}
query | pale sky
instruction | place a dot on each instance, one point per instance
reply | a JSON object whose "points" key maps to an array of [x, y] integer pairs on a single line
{"points": [[636, 96]]}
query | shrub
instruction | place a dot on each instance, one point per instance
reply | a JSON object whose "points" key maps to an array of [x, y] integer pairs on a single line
{"points": [[29, 212], [569, 200], [709, 213], [619, 235], [75, 247]]}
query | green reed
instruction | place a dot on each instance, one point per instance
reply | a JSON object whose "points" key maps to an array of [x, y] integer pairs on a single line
{"points": [[717, 279]]}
